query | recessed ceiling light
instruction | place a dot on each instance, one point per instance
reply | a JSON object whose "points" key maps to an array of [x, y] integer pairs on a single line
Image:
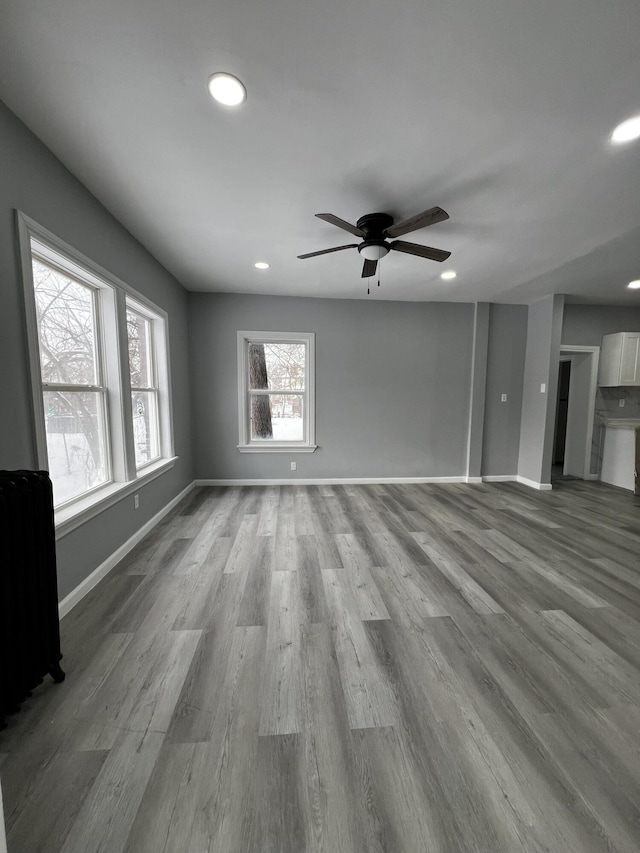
{"points": [[627, 131], [634, 285], [261, 265], [447, 275], [227, 89]]}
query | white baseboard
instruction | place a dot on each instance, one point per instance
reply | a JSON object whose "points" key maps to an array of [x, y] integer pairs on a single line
{"points": [[85, 586], [543, 487], [473, 480], [333, 481], [516, 478]]}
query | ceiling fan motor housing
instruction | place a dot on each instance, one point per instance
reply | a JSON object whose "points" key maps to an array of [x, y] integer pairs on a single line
{"points": [[373, 225]]}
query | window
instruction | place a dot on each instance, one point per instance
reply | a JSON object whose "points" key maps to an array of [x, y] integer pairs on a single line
{"points": [[144, 388], [73, 389], [99, 366], [275, 391]]}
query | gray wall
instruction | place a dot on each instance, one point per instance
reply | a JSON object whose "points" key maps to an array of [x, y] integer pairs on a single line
{"points": [[392, 386], [544, 328], [478, 389], [35, 182], [505, 370], [584, 325]]}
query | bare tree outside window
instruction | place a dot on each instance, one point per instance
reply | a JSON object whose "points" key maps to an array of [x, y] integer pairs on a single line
{"points": [[278, 369], [72, 384], [262, 424], [144, 391]]}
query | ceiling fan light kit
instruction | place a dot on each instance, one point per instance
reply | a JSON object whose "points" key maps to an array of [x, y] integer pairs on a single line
{"points": [[373, 250], [376, 228]]}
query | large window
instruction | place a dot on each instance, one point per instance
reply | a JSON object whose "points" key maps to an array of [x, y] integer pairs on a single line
{"points": [[73, 390], [275, 391], [100, 376]]}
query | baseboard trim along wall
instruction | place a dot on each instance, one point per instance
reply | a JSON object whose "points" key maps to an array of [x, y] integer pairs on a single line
{"points": [[334, 481], [369, 481], [543, 487], [516, 478], [85, 586]]}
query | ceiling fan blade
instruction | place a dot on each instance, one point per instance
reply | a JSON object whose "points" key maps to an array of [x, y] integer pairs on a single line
{"points": [[369, 268], [421, 251], [420, 220], [341, 223], [326, 251]]}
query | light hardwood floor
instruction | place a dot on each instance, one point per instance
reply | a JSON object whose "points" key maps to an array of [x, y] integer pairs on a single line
{"points": [[438, 668]]}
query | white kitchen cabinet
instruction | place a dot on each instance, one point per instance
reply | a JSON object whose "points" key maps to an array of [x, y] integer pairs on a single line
{"points": [[620, 360]]}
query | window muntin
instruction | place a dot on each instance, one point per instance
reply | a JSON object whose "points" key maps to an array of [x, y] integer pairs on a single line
{"points": [[74, 395], [276, 390], [144, 388]]}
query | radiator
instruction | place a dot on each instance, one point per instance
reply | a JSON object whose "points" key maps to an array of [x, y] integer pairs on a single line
{"points": [[29, 625]]}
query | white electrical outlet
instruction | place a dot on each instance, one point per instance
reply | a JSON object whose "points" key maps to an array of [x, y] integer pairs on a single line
{"points": [[294, 466], [543, 387], [503, 398], [136, 501], [621, 403]]}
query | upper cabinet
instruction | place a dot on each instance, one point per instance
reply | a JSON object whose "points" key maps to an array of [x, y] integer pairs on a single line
{"points": [[620, 359]]}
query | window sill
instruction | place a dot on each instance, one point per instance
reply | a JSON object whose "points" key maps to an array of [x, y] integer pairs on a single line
{"points": [[277, 448], [70, 517]]}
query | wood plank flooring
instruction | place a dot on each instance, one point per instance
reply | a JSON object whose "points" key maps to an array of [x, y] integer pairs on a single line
{"points": [[348, 669]]}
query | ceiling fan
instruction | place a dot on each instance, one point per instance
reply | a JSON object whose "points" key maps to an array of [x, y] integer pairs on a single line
{"points": [[375, 228]]}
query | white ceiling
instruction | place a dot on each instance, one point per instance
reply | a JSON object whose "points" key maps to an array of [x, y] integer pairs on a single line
{"points": [[498, 111]]}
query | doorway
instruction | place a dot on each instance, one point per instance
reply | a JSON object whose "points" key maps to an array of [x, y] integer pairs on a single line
{"points": [[575, 412], [562, 409]]}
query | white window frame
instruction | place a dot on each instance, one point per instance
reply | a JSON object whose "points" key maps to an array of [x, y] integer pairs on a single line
{"points": [[111, 296], [246, 444], [155, 332]]}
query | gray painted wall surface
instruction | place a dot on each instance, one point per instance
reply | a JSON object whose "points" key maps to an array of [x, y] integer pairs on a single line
{"points": [[584, 325], [392, 386], [478, 388], [544, 327], [505, 370], [35, 182]]}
